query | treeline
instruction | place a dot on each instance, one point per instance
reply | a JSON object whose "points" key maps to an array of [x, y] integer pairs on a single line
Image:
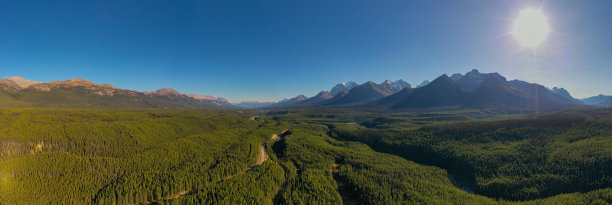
{"points": [[208, 157], [510, 159], [105, 156], [370, 177]]}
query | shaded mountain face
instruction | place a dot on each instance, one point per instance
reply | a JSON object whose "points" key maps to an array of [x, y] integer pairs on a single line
{"points": [[254, 104], [322, 96], [366, 92], [563, 93], [471, 80], [440, 92], [607, 103], [342, 87], [315, 100], [81, 93], [345, 94], [596, 100], [296, 99], [302, 100], [476, 90], [394, 87], [424, 83]]}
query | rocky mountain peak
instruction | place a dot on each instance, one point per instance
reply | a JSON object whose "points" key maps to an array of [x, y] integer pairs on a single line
{"points": [[342, 87], [457, 76], [18, 82], [424, 83], [164, 92]]}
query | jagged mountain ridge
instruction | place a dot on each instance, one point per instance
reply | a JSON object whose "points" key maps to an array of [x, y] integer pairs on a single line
{"points": [[470, 90], [476, 90], [424, 83], [366, 92], [564, 93], [342, 87], [348, 93]]}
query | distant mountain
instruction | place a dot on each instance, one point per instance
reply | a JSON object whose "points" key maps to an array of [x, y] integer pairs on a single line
{"points": [[596, 100], [193, 99], [563, 93], [343, 94], [607, 103], [440, 92], [342, 87], [254, 104], [81, 93], [475, 90], [296, 99], [471, 80], [366, 92], [396, 86], [16, 83], [456, 76], [321, 97], [424, 83], [210, 98], [301, 101]]}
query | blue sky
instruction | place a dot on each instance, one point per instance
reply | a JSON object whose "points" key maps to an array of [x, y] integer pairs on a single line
{"points": [[268, 50]]}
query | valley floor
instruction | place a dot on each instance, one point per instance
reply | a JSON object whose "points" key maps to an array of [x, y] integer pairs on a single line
{"points": [[225, 157]]}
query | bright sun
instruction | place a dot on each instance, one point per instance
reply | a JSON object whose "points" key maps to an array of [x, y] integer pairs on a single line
{"points": [[531, 28]]}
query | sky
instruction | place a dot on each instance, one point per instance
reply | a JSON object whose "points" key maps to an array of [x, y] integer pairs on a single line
{"points": [[274, 49]]}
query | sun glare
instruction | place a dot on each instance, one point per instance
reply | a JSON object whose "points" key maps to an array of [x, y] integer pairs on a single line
{"points": [[531, 28]]}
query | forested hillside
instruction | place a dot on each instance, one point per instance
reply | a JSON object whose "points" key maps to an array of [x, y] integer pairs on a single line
{"points": [[211, 157], [510, 159]]}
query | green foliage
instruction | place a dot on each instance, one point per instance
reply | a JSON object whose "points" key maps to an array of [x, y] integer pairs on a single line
{"points": [[160, 156], [83, 156], [515, 159]]}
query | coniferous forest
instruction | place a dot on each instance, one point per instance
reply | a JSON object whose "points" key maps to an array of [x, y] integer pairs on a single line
{"points": [[160, 102], [161, 156]]}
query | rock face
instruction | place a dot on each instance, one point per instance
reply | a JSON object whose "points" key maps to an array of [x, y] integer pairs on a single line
{"points": [[563, 93], [17, 83], [296, 99], [320, 97], [394, 87], [210, 98], [75, 82], [424, 83], [342, 87], [164, 92], [366, 92], [476, 90], [79, 92], [400, 85]]}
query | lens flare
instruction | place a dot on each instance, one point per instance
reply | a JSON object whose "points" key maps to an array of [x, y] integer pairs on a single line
{"points": [[531, 28]]}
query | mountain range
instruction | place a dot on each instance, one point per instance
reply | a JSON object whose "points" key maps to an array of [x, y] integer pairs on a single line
{"points": [[597, 100], [470, 90], [80, 93]]}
